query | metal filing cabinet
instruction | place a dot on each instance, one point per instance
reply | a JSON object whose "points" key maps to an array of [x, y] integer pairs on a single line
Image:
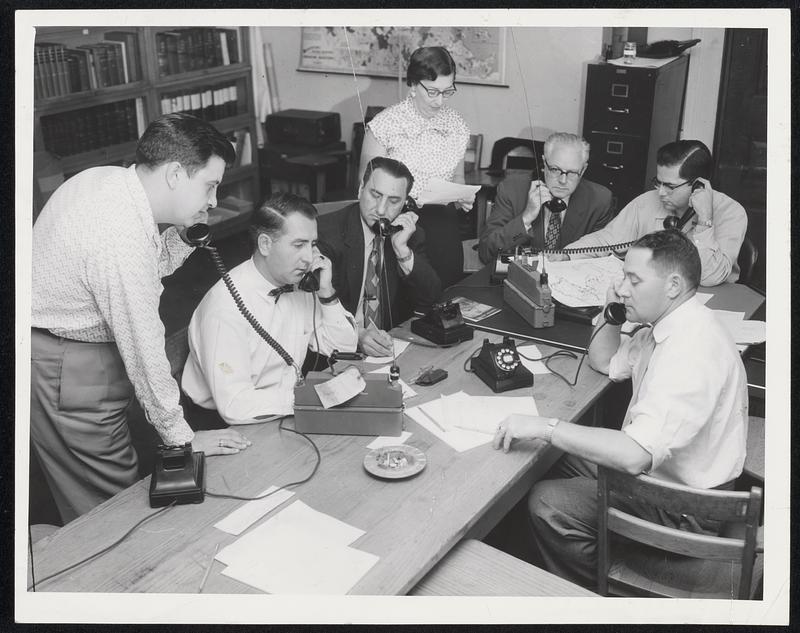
{"points": [[630, 112]]}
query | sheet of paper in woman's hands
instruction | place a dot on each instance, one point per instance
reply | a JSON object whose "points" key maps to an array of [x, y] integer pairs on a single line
{"points": [[439, 191], [399, 348]]}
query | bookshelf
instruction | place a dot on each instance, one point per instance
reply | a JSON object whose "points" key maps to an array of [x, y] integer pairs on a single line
{"points": [[96, 90]]}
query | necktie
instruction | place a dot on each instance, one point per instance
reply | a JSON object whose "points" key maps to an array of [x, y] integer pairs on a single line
{"points": [[556, 206], [371, 302], [277, 292], [648, 345]]}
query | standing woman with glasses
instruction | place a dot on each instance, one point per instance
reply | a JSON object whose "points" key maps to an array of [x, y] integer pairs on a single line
{"points": [[430, 138], [716, 225]]}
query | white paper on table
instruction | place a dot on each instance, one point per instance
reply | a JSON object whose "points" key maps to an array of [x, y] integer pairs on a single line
{"points": [[439, 191], [459, 439], [641, 62], [290, 528], [388, 440], [343, 387], [483, 413], [243, 517], [750, 332], [702, 297], [581, 283], [533, 366], [313, 568], [399, 347]]}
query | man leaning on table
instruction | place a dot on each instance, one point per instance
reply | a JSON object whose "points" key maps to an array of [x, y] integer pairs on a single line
{"points": [[717, 229], [686, 421], [526, 211], [97, 338], [231, 370]]}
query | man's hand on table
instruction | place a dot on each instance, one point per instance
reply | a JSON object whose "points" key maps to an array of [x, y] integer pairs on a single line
{"points": [[219, 442]]}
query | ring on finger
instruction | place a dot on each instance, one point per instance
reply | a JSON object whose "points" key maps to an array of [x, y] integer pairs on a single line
{"points": [[220, 443]]}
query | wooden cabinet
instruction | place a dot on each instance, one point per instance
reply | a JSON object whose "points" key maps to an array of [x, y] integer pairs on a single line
{"points": [[96, 89], [630, 112]]}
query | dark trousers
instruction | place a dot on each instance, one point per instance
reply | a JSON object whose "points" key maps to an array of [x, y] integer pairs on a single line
{"points": [[443, 241], [80, 395]]}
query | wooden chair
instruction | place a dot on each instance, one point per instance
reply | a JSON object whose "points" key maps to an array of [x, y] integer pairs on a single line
{"points": [[665, 562], [754, 461], [748, 256], [472, 157], [510, 152]]}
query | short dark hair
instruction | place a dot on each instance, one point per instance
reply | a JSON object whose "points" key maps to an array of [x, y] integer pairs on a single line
{"points": [[392, 167], [270, 217], [671, 252], [692, 156], [184, 138], [428, 62]]}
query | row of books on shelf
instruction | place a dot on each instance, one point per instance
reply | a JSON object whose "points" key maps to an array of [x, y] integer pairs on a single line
{"points": [[185, 50], [209, 103], [59, 70], [83, 130]]}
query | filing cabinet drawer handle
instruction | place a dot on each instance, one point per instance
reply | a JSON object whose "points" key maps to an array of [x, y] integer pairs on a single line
{"points": [[614, 167], [618, 110]]}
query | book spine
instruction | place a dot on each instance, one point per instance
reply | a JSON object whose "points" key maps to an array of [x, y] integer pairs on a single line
{"points": [[161, 54]]}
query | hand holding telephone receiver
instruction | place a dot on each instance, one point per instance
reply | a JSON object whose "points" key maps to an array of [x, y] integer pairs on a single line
{"points": [[384, 226], [673, 222], [310, 281], [614, 313]]}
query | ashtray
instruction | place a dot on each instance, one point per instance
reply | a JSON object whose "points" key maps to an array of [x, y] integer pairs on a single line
{"points": [[395, 462]]}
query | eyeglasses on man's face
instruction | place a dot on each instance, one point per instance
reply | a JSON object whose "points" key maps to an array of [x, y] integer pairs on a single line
{"points": [[668, 186], [433, 92], [557, 172]]}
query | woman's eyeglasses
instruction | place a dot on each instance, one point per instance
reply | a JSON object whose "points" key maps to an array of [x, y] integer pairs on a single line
{"points": [[433, 92]]}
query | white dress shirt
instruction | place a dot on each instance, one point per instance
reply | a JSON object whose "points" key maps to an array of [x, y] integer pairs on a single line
{"points": [[691, 411], [97, 265], [232, 369]]}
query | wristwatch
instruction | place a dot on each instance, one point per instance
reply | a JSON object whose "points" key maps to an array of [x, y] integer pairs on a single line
{"points": [[401, 260], [704, 223], [548, 432]]}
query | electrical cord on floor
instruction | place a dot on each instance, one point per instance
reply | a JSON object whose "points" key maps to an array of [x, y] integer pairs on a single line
{"points": [[105, 550], [220, 495]]}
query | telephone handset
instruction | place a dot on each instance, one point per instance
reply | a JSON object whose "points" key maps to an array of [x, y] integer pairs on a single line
{"points": [[310, 281], [673, 222], [614, 313], [384, 226], [499, 366]]}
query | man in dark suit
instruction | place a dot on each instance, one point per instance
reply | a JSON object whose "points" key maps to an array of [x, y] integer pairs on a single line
{"points": [[547, 214], [379, 279]]}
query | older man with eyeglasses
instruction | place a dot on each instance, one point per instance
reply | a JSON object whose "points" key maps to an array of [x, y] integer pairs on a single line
{"points": [[549, 213], [716, 227]]}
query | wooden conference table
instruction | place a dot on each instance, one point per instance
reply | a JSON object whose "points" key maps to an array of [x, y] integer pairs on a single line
{"points": [[410, 524]]}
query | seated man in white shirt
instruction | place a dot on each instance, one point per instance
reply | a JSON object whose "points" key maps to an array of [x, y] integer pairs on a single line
{"points": [[686, 422], [717, 227], [230, 367]]}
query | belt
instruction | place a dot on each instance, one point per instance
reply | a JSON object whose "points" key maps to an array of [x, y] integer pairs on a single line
{"points": [[48, 333]]}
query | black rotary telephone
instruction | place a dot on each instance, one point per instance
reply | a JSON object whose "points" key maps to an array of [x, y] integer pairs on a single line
{"points": [[443, 324], [673, 222], [499, 366]]}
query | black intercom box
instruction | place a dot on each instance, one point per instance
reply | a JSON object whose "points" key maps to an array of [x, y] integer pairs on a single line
{"points": [[179, 476], [307, 127]]}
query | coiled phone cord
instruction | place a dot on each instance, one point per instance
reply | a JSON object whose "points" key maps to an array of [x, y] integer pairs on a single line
{"points": [[223, 272]]}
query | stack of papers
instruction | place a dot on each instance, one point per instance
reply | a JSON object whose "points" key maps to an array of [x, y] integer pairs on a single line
{"points": [[298, 551], [580, 283], [464, 421]]}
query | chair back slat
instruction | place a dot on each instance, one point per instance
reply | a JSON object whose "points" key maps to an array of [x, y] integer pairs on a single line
{"points": [[672, 539]]}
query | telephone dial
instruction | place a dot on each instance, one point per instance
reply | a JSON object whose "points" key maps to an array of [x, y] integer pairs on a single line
{"points": [[673, 222], [500, 367]]}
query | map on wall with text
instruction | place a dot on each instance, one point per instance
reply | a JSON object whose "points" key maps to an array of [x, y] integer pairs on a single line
{"points": [[383, 51]]}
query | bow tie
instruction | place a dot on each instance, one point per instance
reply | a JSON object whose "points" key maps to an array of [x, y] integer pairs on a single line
{"points": [[277, 292]]}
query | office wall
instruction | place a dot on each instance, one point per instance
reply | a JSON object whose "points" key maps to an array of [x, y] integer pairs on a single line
{"points": [[551, 68], [545, 72]]}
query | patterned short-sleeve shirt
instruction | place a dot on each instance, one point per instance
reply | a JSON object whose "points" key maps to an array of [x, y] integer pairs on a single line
{"points": [[430, 148]]}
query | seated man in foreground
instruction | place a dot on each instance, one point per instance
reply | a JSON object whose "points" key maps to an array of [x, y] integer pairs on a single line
{"points": [[230, 367], [547, 214], [686, 422], [381, 280], [717, 228]]}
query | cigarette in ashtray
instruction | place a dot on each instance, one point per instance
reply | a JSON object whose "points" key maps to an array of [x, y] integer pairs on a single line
{"points": [[392, 460]]}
